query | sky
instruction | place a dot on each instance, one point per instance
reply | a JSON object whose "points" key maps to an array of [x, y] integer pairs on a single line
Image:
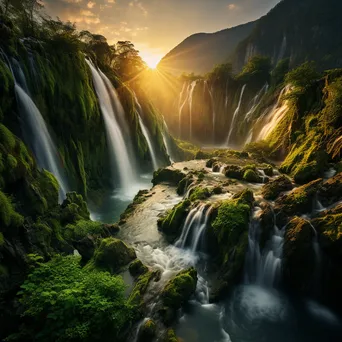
{"points": [[156, 26]]}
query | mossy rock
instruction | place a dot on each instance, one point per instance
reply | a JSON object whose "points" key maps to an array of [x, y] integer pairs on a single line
{"points": [[234, 171], [113, 254], [139, 198], [268, 169], [202, 155], [136, 297], [331, 190], [299, 201], [137, 268], [274, 188], [216, 167], [217, 190], [147, 331], [299, 256], [199, 193], [244, 197], [211, 162], [252, 176], [8, 215], [184, 184], [170, 336], [180, 288], [329, 227], [171, 224], [74, 208], [168, 175], [307, 172]]}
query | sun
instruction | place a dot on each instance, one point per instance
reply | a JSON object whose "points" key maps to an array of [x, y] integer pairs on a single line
{"points": [[151, 59]]}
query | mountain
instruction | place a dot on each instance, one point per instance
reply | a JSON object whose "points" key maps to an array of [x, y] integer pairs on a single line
{"points": [[299, 30], [200, 52]]}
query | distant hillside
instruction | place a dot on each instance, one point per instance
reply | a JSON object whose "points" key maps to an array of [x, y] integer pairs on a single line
{"points": [[300, 30], [200, 52]]}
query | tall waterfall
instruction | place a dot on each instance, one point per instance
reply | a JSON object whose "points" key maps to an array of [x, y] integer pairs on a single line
{"points": [[271, 120], [194, 227], [256, 101], [264, 269], [191, 93], [166, 140], [119, 153], [235, 115], [181, 106], [146, 134], [213, 110], [35, 131]]}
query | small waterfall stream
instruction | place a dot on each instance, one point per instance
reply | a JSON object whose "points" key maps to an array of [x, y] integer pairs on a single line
{"points": [[181, 106], [35, 131], [166, 140], [191, 93], [147, 135], [119, 155], [232, 124]]}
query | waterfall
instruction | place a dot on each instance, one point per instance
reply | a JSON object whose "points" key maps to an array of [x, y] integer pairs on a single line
{"points": [[264, 269], [191, 93], [282, 49], [213, 110], [118, 149], [226, 97], [166, 141], [256, 101], [273, 118], [35, 131], [235, 115], [147, 135], [194, 227], [181, 106]]}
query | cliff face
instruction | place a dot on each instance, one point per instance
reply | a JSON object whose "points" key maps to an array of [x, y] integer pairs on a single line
{"points": [[299, 30], [200, 52]]}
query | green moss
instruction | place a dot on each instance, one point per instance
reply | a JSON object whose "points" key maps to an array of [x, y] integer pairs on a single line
{"points": [[147, 331], [179, 289], [2, 239], [251, 176], [8, 215], [11, 162], [199, 193], [74, 208], [184, 184], [113, 254], [168, 175], [82, 229], [273, 189], [140, 288], [234, 171], [170, 336], [7, 139], [172, 222], [137, 268]]}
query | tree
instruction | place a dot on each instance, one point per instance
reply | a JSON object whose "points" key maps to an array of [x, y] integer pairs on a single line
{"points": [[303, 76]]}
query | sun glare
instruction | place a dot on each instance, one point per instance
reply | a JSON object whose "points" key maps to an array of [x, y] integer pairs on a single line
{"points": [[151, 60]]}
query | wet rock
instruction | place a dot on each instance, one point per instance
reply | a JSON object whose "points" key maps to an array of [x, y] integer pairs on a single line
{"points": [[168, 175], [86, 248], [216, 167], [147, 331], [199, 193], [251, 176], [274, 188], [171, 223], [113, 254], [137, 268], [298, 202], [184, 184], [234, 171], [331, 190], [268, 169], [299, 257], [267, 222], [217, 190], [179, 289], [211, 162]]}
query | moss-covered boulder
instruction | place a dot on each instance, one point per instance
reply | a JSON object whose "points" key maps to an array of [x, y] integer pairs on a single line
{"points": [[234, 171], [211, 162], [329, 227], [136, 297], [199, 193], [331, 190], [184, 184], [216, 167], [147, 331], [252, 176], [274, 188], [299, 201], [171, 224], [74, 208], [268, 169], [230, 226], [170, 336], [113, 254], [168, 175], [179, 289], [137, 268], [267, 222], [299, 256], [8, 215]]}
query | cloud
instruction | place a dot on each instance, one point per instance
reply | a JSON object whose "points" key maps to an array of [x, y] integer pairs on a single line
{"points": [[139, 5], [91, 4]]}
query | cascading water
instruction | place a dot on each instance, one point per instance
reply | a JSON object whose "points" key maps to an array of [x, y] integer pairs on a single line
{"points": [[271, 120], [213, 108], [191, 93], [166, 141], [256, 101], [147, 135], [264, 268], [181, 106], [235, 115], [35, 131], [119, 155], [194, 227]]}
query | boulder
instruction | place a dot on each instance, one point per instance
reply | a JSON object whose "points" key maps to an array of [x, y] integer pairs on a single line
{"points": [[274, 188], [251, 176], [113, 254], [234, 171], [211, 162], [184, 184], [137, 268], [147, 331], [331, 190], [168, 175]]}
